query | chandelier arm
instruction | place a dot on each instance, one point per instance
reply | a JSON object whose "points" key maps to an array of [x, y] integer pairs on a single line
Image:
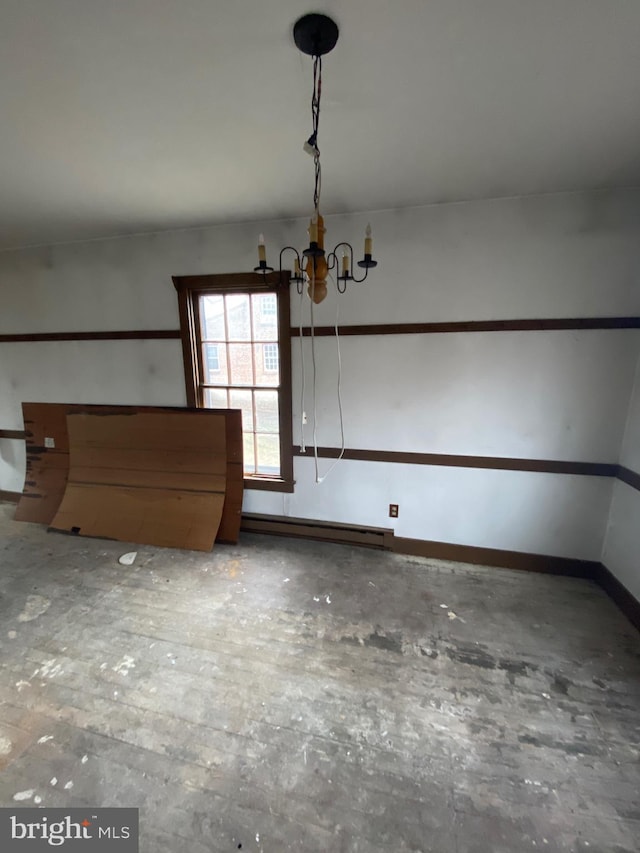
{"points": [[289, 249], [360, 280], [346, 245], [348, 277], [298, 281]]}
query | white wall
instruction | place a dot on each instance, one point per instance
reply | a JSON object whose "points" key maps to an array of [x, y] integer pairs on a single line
{"points": [[548, 395], [621, 552]]}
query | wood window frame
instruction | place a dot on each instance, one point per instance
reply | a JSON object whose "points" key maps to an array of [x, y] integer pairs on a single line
{"points": [[189, 289]]}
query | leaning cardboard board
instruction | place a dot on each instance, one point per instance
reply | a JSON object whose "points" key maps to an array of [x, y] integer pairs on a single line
{"points": [[151, 478], [47, 447]]}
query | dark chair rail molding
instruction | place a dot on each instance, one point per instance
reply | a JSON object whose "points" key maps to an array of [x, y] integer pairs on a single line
{"points": [[130, 335], [497, 463], [631, 478], [500, 463], [18, 434], [542, 325], [548, 324]]}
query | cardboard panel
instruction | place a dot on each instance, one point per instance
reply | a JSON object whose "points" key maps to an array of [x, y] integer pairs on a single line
{"points": [[173, 502], [232, 513], [47, 467]]}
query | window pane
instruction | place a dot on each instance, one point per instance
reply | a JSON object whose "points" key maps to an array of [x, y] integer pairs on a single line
{"points": [[240, 364], [268, 454], [266, 411], [215, 398], [238, 317], [267, 362], [265, 316], [214, 360], [242, 400], [249, 453], [212, 317]]}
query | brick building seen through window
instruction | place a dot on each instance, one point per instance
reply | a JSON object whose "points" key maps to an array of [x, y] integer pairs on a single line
{"points": [[241, 360], [236, 343]]}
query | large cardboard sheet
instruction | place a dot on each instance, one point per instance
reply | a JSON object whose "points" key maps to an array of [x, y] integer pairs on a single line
{"points": [[150, 478], [47, 447]]}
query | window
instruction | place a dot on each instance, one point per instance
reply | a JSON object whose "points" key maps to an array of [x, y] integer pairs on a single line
{"points": [[212, 359], [237, 354], [270, 357], [268, 305]]}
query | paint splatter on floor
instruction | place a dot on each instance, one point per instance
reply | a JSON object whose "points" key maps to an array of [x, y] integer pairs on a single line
{"points": [[35, 606], [23, 795]]}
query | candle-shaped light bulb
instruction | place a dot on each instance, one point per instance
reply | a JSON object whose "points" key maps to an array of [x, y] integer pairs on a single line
{"points": [[296, 268], [262, 252], [368, 242], [345, 262], [313, 230]]}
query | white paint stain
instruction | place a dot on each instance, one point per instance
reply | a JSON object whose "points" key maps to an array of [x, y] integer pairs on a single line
{"points": [[316, 598], [35, 606], [23, 795], [12, 634], [452, 616], [371, 583], [125, 665], [21, 685], [444, 606], [45, 738], [328, 599], [286, 580], [53, 782], [37, 800], [257, 838], [68, 786], [5, 745], [128, 559], [85, 758], [49, 669]]}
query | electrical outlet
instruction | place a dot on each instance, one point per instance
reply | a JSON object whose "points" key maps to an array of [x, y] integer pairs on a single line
{"points": [[393, 510], [49, 442]]}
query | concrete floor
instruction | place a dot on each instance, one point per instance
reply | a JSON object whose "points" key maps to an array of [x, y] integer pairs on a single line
{"points": [[295, 696]]}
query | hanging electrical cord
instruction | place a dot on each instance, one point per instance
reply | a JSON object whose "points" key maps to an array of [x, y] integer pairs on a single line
{"points": [[303, 414], [312, 147], [313, 139], [342, 442], [316, 35], [314, 373]]}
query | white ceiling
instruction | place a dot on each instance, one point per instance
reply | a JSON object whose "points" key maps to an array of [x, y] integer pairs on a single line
{"points": [[120, 116]]}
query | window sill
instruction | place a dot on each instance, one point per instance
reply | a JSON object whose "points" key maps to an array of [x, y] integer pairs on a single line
{"points": [[266, 484]]}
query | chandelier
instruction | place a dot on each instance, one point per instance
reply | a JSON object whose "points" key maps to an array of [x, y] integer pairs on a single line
{"points": [[316, 35]]}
